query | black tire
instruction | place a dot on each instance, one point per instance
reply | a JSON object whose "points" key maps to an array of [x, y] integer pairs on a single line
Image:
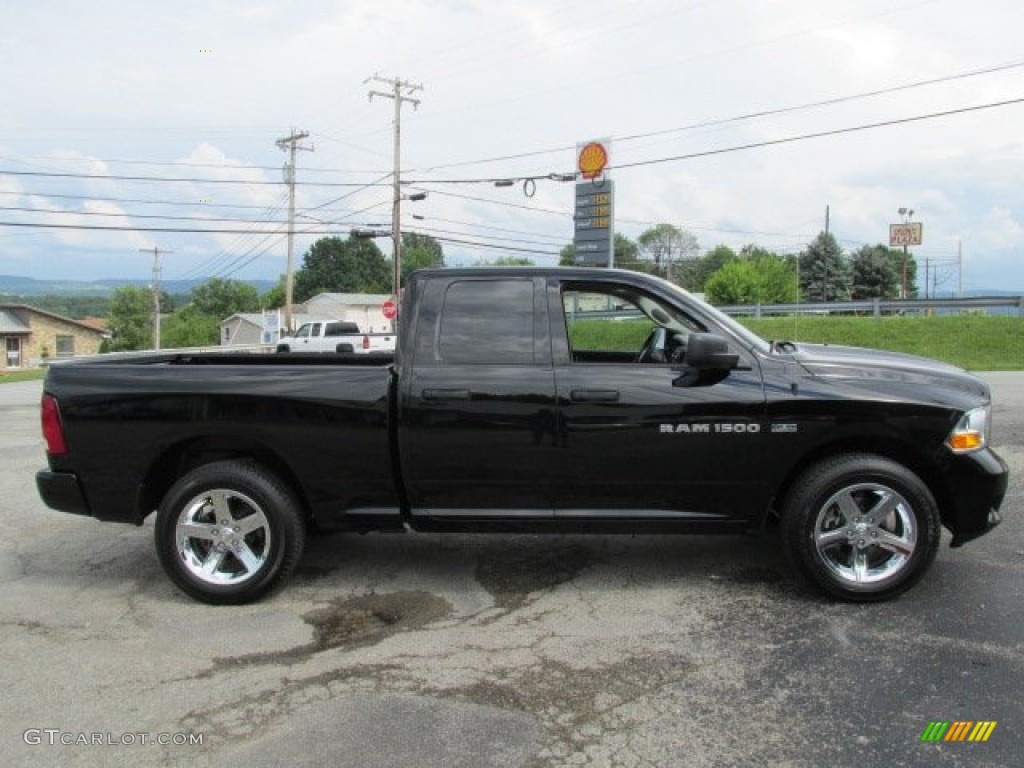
{"points": [[283, 349], [227, 532], [860, 527]]}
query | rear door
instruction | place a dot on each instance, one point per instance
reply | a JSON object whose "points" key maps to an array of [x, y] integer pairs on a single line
{"points": [[478, 414], [649, 441]]}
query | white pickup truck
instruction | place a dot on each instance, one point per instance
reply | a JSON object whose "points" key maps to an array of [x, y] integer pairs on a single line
{"points": [[336, 336]]}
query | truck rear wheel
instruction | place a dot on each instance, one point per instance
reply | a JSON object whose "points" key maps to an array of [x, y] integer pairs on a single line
{"points": [[227, 532], [860, 527]]}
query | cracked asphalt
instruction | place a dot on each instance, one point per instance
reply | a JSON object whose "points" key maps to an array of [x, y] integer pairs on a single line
{"points": [[460, 650]]}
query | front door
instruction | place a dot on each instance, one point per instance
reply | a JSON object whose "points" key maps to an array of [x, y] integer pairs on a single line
{"points": [[13, 345], [645, 438]]}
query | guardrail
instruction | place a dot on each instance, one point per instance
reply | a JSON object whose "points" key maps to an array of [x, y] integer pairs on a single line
{"points": [[879, 307]]}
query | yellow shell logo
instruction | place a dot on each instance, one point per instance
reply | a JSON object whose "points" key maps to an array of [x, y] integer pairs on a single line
{"points": [[592, 160]]}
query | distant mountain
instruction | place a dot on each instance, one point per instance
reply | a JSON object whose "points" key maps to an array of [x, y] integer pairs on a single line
{"points": [[12, 285]]}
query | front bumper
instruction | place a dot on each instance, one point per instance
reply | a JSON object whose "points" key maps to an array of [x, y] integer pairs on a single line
{"points": [[62, 491], [976, 485]]}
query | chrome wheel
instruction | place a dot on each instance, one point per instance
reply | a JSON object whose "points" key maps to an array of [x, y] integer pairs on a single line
{"points": [[223, 537], [860, 527], [865, 534]]}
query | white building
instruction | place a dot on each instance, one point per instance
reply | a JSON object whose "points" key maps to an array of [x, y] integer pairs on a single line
{"points": [[363, 309]]}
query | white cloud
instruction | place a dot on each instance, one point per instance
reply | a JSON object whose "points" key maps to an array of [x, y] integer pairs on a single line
{"points": [[216, 84]]}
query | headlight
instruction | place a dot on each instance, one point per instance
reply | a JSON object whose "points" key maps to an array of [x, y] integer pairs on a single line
{"points": [[971, 432]]}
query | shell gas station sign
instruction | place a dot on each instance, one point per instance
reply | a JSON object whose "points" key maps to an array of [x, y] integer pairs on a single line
{"points": [[595, 204], [592, 159]]}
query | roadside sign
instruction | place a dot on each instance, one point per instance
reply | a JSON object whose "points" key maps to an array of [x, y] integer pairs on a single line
{"points": [[905, 234], [594, 223], [389, 309]]}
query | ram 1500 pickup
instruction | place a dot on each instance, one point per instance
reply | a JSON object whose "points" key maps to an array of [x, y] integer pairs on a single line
{"points": [[569, 400]]}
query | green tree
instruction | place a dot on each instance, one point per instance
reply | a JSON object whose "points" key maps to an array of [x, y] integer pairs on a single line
{"points": [[626, 253], [333, 265], [420, 252], [189, 327], [222, 298], [766, 279], [131, 319], [567, 256], [665, 246], [274, 297], [824, 272], [875, 273], [694, 273]]}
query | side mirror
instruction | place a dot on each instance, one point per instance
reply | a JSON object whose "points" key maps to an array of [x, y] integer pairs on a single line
{"points": [[706, 351]]}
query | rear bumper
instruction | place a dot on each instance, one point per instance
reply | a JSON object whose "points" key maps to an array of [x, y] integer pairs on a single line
{"points": [[976, 485], [62, 491]]}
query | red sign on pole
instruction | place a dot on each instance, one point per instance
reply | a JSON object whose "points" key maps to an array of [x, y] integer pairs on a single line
{"points": [[389, 309]]}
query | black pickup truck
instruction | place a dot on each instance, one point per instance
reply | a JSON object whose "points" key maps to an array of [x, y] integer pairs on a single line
{"points": [[569, 400]]}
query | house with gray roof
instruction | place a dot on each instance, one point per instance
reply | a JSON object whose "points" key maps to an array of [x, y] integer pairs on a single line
{"points": [[30, 336]]}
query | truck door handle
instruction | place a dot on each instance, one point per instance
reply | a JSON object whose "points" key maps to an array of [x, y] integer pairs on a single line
{"points": [[446, 394], [594, 395]]}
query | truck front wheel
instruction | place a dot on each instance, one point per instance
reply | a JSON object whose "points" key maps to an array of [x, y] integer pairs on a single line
{"points": [[227, 532], [860, 527]]}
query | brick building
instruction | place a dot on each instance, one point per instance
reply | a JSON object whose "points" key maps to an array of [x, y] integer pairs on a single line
{"points": [[28, 336]]}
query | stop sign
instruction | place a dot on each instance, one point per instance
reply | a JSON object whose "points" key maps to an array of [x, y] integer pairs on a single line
{"points": [[389, 309]]}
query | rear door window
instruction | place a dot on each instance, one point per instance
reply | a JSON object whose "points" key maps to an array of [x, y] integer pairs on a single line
{"points": [[487, 322]]}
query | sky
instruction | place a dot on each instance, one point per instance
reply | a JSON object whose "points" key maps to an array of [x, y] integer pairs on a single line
{"points": [[126, 126]]}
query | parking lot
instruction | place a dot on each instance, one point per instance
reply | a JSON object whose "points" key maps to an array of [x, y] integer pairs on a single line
{"points": [[461, 650]]}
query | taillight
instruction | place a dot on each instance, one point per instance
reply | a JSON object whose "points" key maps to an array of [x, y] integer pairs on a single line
{"points": [[366, 342], [53, 430]]}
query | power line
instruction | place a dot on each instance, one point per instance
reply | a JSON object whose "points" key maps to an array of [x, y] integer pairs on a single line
{"points": [[741, 118], [495, 237], [490, 246], [485, 226], [236, 243], [819, 134], [116, 177], [137, 201], [130, 215], [114, 228], [568, 176], [176, 164]]}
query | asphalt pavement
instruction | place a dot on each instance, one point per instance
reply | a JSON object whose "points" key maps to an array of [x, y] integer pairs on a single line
{"points": [[424, 650]]}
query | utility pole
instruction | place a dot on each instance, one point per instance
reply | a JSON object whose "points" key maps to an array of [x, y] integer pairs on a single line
{"points": [[290, 143], [401, 90], [156, 292]]}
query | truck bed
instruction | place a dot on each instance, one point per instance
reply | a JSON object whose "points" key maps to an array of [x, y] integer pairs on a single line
{"points": [[315, 418]]}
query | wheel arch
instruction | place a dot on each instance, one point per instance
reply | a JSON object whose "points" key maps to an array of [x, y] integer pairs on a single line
{"points": [[899, 451], [187, 455]]}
